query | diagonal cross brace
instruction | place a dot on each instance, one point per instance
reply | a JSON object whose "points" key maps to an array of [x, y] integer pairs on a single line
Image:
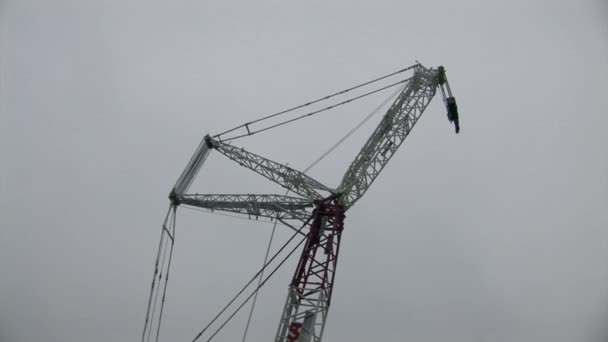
{"points": [[272, 206], [294, 180]]}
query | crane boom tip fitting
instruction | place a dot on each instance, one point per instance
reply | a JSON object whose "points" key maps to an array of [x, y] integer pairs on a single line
{"points": [[450, 101], [208, 141], [441, 79]]}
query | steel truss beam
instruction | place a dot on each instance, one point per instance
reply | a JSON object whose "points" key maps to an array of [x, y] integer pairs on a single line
{"points": [[272, 206], [296, 181], [395, 126], [192, 168]]}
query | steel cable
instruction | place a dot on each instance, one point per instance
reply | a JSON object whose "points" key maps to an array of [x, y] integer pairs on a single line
{"points": [[249, 133], [352, 131], [317, 100], [162, 305], [251, 281], [255, 291], [255, 298], [160, 275], [160, 244]]}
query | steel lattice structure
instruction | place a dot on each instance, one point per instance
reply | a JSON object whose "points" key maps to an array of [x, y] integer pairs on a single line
{"points": [[320, 207]]}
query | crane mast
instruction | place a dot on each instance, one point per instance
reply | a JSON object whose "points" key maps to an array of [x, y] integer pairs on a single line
{"points": [[320, 207]]}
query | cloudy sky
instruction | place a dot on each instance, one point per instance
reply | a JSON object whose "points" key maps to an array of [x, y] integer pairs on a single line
{"points": [[499, 233]]}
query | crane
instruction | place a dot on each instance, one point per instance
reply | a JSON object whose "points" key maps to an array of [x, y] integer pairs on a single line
{"points": [[318, 208]]}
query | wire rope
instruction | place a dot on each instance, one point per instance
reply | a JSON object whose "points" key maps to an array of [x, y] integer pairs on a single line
{"points": [[255, 291], [251, 281], [162, 305], [317, 100], [160, 275], [353, 130], [249, 133], [255, 298], [160, 244]]}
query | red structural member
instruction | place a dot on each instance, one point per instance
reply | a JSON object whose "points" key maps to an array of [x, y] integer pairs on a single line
{"points": [[317, 265]]}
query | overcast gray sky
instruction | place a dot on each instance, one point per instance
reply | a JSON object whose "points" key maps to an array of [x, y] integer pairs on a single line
{"points": [[499, 233]]}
